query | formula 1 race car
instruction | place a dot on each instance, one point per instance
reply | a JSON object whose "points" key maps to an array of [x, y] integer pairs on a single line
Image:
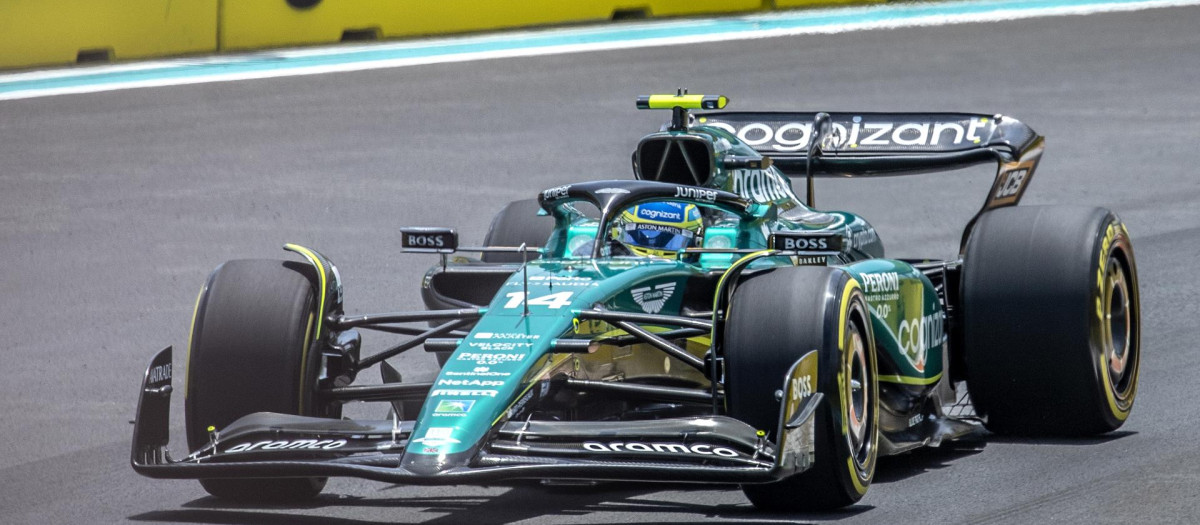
{"points": [[698, 324]]}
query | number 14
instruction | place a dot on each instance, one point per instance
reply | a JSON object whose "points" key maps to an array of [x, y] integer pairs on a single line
{"points": [[554, 300]]}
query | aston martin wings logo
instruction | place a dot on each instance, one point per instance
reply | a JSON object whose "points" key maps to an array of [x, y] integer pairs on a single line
{"points": [[652, 299]]}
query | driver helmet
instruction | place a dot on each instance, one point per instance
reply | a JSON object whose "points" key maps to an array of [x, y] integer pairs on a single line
{"points": [[659, 229]]}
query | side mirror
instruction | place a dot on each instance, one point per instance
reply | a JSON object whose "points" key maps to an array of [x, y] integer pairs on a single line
{"points": [[428, 240]]}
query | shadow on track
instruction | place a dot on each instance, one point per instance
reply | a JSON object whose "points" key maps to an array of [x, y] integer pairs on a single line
{"points": [[531, 500], [920, 461], [520, 503], [1075, 441]]}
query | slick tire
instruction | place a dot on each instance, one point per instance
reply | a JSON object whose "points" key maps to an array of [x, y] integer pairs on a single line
{"points": [[775, 318], [252, 351], [1051, 320], [517, 223]]}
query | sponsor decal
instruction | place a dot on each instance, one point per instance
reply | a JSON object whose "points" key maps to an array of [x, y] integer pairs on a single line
{"points": [[502, 335], [802, 387], [762, 186], [1010, 185], [556, 192], [653, 299], [810, 261], [553, 301], [519, 406], [658, 228], [431, 450], [160, 373], [699, 449], [437, 436], [795, 136], [801, 384], [469, 382], [428, 240], [864, 238], [462, 393], [424, 241], [881, 286], [659, 215], [806, 242], [1110, 236], [697, 194], [917, 336], [295, 444], [499, 345], [490, 359], [916, 420], [882, 309], [555, 280], [453, 407], [479, 371]]}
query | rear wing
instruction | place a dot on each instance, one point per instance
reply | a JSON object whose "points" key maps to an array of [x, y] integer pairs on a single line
{"points": [[874, 144], [882, 144]]}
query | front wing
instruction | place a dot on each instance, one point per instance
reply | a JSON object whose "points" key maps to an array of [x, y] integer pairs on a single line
{"points": [[708, 449]]}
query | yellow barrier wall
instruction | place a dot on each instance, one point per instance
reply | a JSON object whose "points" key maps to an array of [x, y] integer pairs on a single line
{"points": [[41, 32], [35, 32], [251, 24]]}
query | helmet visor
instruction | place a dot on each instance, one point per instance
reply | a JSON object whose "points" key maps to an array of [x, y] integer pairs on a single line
{"points": [[656, 237]]}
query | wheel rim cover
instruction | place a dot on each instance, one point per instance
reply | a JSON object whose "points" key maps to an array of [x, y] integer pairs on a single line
{"points": [[1117, 326]]}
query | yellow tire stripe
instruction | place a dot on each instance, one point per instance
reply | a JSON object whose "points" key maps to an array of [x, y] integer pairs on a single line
{"points": [[1110, 396], [843, 314], [187, 374], [312, 258]]}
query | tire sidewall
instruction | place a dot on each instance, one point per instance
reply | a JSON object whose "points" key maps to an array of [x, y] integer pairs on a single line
{"points": [[835, 373], [1112, 241]]}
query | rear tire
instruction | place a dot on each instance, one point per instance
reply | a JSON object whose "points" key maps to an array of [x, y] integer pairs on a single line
{"points": [[517, 223], [252, 351], [774, 319], [1052, 323]]}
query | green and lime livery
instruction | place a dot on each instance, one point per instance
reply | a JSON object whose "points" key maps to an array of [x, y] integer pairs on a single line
{"points": [[783, 352]]}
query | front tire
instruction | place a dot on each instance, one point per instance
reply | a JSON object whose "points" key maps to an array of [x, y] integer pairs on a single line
{"points": [[1052, 322], [252, 350], [774, 319]]}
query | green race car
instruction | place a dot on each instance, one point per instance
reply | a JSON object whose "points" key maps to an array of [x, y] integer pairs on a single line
{"points": [[698, 324]]}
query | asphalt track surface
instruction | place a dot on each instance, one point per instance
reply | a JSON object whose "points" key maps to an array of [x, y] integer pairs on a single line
{"points": [[115, 206]]}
